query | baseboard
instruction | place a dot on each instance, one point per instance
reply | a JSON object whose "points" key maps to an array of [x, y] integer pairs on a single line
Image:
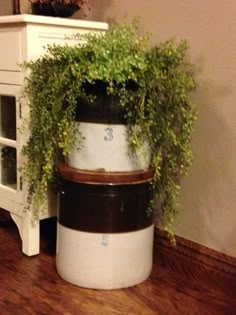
{"points": [[187, 254]]}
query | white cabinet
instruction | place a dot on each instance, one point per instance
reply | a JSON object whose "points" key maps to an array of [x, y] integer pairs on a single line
{"points": [[23, 38]]}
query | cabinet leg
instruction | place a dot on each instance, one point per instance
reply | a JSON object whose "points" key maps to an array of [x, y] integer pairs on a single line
{"points": [[29, 233]]}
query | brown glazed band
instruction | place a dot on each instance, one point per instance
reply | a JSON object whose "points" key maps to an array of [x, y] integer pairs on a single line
{"points": [[104, 110], [102, 177], [104, 208], [96, 204]]}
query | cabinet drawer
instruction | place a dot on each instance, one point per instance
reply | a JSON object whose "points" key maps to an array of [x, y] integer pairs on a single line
{"points": [[10, 52]]}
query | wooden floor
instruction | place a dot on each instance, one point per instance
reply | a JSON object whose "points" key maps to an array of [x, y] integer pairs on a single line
{"points": [[30, 285]]}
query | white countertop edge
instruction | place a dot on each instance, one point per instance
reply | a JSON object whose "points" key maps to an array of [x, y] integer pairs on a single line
{"points": [[38, 19]]}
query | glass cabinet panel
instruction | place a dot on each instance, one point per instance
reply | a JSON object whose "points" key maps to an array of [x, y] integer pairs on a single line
{"points": [[8, 117], [8, 169]]}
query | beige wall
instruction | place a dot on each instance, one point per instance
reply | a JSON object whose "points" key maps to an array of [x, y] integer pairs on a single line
{"points": [[208, 198], [6, 7]]}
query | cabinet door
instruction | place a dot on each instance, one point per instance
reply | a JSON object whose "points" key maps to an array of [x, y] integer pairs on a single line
{"points": [[10, 120]]}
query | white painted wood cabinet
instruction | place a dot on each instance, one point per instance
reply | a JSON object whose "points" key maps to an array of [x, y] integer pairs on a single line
{"points": [[23, 38]]}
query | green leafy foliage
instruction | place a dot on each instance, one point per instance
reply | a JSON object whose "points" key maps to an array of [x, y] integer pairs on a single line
{"points": [[153, 86]]}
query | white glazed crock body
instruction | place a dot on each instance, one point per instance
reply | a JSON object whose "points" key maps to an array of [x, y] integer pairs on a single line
{"points": [[106, 147], [104, 261]]}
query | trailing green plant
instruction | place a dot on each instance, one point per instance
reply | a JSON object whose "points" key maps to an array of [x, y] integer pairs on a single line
{"points": [[152, 85]]}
